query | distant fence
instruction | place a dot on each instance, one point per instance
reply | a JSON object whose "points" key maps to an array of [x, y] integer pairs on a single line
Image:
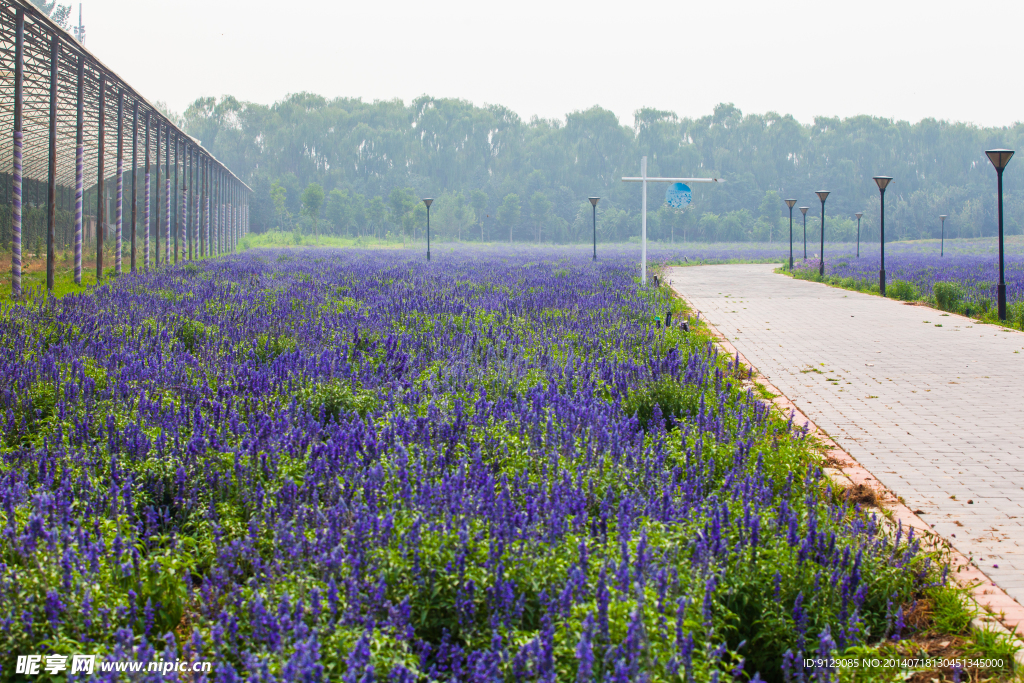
{"points": [[79, 148]]}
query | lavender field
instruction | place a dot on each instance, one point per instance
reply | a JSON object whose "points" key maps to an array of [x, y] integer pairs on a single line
{"points": [[355, 465], [972, 265]]}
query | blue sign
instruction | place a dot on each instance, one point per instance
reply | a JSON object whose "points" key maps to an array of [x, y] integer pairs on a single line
{"points": [[678, 195]]}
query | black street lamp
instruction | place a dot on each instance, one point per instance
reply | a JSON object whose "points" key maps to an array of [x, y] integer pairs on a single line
{"points": [[883, 182], [593, 203], [822, 195], [858, 215], [999, 159], [790, 203], [942, 235], [428, 201], [803, 210]]}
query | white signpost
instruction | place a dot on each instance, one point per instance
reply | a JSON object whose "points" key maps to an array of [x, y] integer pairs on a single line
{"points": [[643, 207]]}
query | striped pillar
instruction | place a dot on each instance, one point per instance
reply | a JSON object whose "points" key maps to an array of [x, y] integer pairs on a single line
{"points": [[145, 217], [118, 215], [19, 77], [119, 187], [206, 222], [195, 218], [79, 167], [223, 226], [167, 221], [135, 182], [145, 232], [146, 205], [184, 219], [79, 192], [213, 245], [16, 219]]}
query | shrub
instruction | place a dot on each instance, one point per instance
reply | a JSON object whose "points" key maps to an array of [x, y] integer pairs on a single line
{"points": [[191, 334], [336, 398], [902, 290], [269, 347], [1015, 314], [948, 295], [675, 400]]}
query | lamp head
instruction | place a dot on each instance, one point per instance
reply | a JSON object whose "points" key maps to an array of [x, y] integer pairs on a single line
{"points": [[428, 201], [790, 203], [822, 195], [859, 214], [594, 200], [882, 181], [943, 217], [999, 157], [803, 209]]}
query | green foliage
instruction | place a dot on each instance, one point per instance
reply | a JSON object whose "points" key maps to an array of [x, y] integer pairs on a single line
{"points": [[193, 334], [674, 399], [1015, 314], [948, 296], [339, 210], [268, 347], [508, 212], [948, 613], [539, 207], [336, 398], [993, 645], [312, 199], [438, 145], [902, 290], [244, 480]]}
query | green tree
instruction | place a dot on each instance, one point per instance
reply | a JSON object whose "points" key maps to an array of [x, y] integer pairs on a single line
{"points": [[508, 213], [416, 217], [279, 196], [478, 198], [539, 207], [768, 214], [312, 200], [358, 208], [59, 14], [339, 209], [372, 147], [402, 201], [376, 213]]}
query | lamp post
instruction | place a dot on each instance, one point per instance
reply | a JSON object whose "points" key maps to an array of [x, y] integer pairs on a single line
{"points": [[822, 195], [999, 159], [790, 203], [858, 215], [428, 201], [803, 210], [883, 182], [942, 235], [593, 203]]}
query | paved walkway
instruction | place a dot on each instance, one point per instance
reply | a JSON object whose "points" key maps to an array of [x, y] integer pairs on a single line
{"points": [[931, 404]]}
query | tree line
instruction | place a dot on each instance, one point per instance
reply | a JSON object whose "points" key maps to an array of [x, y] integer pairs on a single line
{"points": [[495, 176]]}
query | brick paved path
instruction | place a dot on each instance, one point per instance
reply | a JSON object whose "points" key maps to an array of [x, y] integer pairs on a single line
{"points": [[931, 404]]}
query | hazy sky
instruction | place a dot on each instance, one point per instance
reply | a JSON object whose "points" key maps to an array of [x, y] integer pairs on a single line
{"points": [[893, 58]]}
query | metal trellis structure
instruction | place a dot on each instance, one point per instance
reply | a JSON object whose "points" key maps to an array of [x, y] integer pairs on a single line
{"points": [[70, 130]]}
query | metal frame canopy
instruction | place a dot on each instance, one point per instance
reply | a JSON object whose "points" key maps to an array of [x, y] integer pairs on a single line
{"points": [[73, 123], [644, 179]]}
